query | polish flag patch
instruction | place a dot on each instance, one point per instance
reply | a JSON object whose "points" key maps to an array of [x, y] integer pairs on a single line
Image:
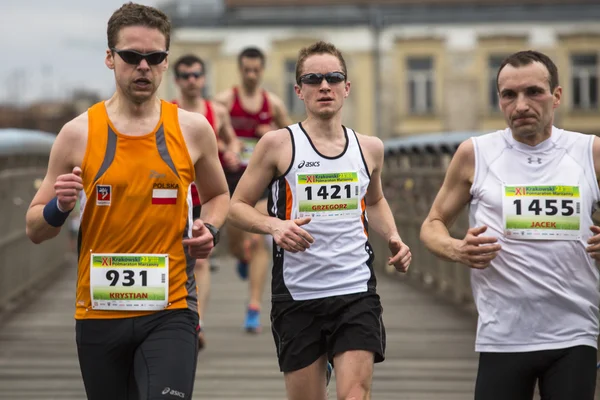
{"points": [[164, 196]]}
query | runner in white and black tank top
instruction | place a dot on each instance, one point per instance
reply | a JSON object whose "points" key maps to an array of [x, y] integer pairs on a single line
{"points": [[331, 191], [323, 181], [538, 201], [531, 191]]}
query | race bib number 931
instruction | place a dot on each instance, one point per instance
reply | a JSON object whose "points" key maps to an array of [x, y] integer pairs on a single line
{"points": [[129, 282]]}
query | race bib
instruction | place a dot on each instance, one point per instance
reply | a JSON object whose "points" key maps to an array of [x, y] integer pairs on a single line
{"points": [[542, 212], [248, 145], [129, 282], [329, 195]]}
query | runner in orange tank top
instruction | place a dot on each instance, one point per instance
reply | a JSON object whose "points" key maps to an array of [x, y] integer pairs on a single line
{"points": [[190, 77], [132, 160], [253, 111]]}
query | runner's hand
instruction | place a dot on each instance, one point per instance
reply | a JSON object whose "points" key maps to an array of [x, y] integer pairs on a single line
{"points": [[401, 255], [201, 243], [231, 161], [594, 243], [67, 188], [477, 251], [289, 236]]}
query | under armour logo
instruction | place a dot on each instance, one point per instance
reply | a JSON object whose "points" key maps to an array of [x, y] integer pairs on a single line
{"points": [[531, 160]]}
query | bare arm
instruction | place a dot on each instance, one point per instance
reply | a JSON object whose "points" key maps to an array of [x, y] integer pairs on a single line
{"points": [[280, 114], [210, 179], [261, 169], [596, 156], [225, 98], [271, 156], [450, 200], [61, 162], [380, 215], [226, 132]]}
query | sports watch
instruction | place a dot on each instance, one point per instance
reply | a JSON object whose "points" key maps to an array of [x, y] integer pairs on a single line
{"points": [[214, 231]]}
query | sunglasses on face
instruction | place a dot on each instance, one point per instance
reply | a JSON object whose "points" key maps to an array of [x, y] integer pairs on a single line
{"points": [[316, 79], [186, 75], [134, 57]]}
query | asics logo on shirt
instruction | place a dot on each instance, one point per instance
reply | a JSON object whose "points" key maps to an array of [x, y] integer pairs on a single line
{"points": [[309, 164]]}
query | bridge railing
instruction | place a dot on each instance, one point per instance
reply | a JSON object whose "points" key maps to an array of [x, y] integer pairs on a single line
{"points": [[413, 173], [24, 267]]}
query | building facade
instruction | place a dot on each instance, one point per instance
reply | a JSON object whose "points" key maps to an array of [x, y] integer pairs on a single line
{"points": [[415, 66]]}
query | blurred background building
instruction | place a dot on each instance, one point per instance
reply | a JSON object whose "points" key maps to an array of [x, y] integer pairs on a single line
{"points": [[416, 66]]}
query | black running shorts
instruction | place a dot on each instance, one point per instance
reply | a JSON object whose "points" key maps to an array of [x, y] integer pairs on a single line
{"points": [[196, 212], [306, 330], [151, 357], [563, 374]]}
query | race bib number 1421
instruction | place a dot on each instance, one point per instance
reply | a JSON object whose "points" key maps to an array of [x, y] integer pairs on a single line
{"points": [[328, 195]]}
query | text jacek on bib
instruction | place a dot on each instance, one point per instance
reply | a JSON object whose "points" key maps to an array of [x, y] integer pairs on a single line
{"points": [[542, 212], [127, 282], [328, 195]]}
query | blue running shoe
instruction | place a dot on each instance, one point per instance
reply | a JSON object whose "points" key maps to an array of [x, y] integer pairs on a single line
{"points": [[252, 324], [329, 372], [242, 269]]}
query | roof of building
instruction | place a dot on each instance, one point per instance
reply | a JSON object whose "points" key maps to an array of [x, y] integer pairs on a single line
{"points": [[240, 13]]}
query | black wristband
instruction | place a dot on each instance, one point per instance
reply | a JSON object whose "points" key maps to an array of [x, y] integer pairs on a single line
{"points": [[214, 232], [53, 215]]}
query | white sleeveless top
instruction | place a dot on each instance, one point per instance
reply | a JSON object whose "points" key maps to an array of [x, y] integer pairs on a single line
{"points": [[331, 191], [541, 291]]}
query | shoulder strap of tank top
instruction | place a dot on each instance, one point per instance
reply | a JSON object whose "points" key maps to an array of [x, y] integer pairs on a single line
{"points": [[97, 112], [266, 106], [169, 110], [236, 98], [210, 114]]}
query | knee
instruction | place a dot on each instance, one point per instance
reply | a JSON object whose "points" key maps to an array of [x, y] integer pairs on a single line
{"points": [[236, 248], [257, 243], [358, 391]]}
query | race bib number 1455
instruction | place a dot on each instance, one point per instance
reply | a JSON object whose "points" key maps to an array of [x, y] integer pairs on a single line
{"points": [[548, 212]]}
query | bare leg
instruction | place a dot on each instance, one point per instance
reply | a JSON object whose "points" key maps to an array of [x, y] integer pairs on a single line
{"points": [[354, 374], [307, 383], [202, 272]]}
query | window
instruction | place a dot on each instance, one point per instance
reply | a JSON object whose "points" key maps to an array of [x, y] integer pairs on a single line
{"points": [[420, 82], [584, 81], [294, 104], [494, 62]]}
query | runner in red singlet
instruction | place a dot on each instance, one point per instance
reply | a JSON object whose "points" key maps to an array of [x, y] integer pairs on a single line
{"points": [[253, 111], [190, 78]]}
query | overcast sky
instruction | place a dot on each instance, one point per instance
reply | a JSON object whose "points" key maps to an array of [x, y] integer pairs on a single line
{"points": [[50, 48]]}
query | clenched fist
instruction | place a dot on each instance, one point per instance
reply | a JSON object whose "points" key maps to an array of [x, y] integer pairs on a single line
{"points": [[67, 188]]}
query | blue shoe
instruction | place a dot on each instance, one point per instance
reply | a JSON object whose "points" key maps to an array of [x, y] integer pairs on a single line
{"points": [[242, 269], [252, 324], [329, 372]]}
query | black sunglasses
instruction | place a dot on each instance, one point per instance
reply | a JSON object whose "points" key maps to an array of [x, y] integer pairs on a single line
{"points": [[134, 57], [186, 75], [316, 79]]}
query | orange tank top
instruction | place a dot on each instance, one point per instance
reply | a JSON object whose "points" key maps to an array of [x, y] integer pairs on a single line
{"points": [[135, 215]]}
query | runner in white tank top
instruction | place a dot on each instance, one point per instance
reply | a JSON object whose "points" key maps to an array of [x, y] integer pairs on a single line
{"points": [[531, 189], [324, 181]]}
